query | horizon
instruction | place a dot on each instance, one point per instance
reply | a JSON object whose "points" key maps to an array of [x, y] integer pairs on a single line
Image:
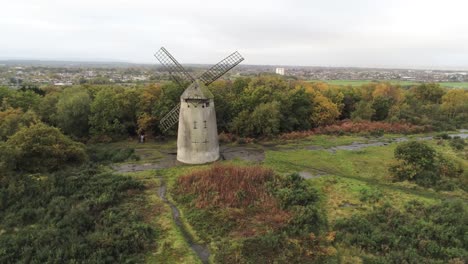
{"points": [[110, 61]]}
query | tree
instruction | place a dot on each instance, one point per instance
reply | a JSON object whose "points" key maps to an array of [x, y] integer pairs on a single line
{"points": [[364, 111], [324, 111], [455, 104], [47, 109], [73, 108], [11, 120], [106, 115], [429, 92], [5, 92], [264, 121], [21, 99], [420, 163], [381, 106], [41, 148]]}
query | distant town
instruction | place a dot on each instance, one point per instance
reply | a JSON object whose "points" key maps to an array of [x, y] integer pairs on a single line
{"points": [[17, 72]]}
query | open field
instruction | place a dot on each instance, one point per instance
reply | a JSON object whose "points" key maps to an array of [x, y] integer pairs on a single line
{"points": [[345, 175], [463, 85]]}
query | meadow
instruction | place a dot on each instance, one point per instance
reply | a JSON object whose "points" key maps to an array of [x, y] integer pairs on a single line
{"points": [[349, 183], [462, 85]]}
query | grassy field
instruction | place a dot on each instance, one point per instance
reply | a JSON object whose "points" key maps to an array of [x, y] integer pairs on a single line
{"points": [[349, 182], [463, 85]]}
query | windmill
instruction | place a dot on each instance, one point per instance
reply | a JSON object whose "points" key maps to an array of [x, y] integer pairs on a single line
{"points": [[197, 136]]}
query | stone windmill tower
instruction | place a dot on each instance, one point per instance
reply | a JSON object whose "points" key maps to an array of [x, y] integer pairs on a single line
{"points": [[197, 137]]}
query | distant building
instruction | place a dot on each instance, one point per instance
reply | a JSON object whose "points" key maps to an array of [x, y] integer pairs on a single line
{"points": [[280, 71]]}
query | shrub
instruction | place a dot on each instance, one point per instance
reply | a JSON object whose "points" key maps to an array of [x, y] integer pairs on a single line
{"points": [[370, 195], [221, 186], [458, 143], [252, 215], [419, 234], [104, 154], [42, 148], [358, 127], [420, 163], [71, 216], [442, 136]]}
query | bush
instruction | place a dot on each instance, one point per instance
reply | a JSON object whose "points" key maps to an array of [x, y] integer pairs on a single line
{"points": [[458, 143], [251, 215], [41, 148], [370, 195], [102, 154], [419, 234], [71, 216], [420, 163], [442, 136]]}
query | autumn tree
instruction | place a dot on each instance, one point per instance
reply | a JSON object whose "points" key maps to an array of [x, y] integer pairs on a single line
{"points": [[455, 104], [324, 111]]}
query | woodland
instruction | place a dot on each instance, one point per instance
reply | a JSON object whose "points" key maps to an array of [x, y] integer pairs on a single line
{"points": [[63, 200]]}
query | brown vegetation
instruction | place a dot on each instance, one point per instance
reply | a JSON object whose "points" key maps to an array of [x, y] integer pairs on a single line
{"points": [[359, 127], [241, 192]]}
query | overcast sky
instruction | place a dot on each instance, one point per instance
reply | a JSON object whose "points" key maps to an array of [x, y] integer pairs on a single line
{"points": [[393, 33]]}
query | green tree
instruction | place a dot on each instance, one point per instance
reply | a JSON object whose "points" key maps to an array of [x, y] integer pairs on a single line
{"points": [[73, 109], [381, 106], [47, 109], [106, 115], [420, 163], [21, 99], [364, 111], [429, 92], [42, 148], [11, 120], [264, 121]]}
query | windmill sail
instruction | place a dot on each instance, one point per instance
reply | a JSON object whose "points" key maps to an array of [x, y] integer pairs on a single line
{"points": [[177, 72], [170, 119], [221, 68]]}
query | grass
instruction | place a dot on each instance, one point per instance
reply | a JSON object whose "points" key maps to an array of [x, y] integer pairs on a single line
{"points": [[171, 246], [363, 82], [463, 85], [325, 141], [150, 151], [345, 173], [345, 178]]}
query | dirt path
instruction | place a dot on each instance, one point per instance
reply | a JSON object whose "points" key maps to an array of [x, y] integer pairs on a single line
{"points": [[257, 153], [201, 250]]}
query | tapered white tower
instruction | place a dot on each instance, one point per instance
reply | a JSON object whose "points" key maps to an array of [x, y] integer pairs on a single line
{"points": [[197, 137]]}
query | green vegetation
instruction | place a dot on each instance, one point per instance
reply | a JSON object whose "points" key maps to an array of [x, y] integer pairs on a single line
{"points": [[71, 216], [251, 215], [41, 148], [421, 163], [75, 185], [462, 85], [417, 234]]}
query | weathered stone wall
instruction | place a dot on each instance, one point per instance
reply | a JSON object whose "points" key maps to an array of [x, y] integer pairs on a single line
{"points": [[197, 138]]}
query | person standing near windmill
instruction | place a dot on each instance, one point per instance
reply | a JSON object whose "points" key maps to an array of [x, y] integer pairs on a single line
{"points": [[197, 136]]}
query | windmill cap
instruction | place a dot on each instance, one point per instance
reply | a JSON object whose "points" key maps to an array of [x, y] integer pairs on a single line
{"points": [[197, 90]]}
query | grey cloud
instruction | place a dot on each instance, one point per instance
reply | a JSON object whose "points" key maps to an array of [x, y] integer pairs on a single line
{"points": [[382, 33]]}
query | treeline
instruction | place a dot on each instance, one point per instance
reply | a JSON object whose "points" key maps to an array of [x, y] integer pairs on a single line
{"points": [[249, 107]]}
